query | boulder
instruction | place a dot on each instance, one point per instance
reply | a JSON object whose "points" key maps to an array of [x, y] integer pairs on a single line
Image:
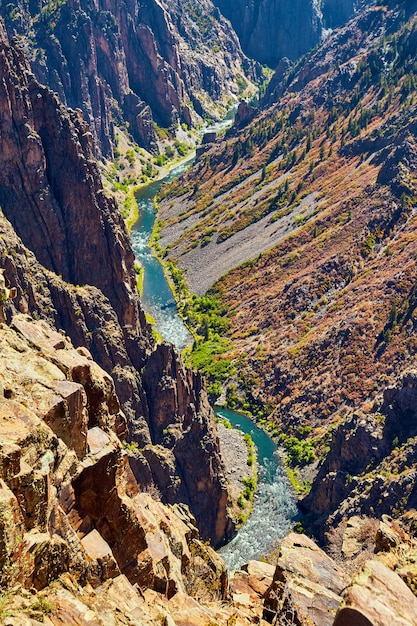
{"points": [[377, 597], [307, 584]]}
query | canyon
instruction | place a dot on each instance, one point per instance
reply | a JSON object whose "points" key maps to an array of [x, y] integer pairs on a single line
{"points": [[65, 247], [139, 64], [301, 224], [290, 244]]}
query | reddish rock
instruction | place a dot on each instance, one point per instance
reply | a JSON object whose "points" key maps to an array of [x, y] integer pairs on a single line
{"points": [[101, 563], [307, 584], [51, 193], [245, 114], [260, 576], [11, 530], [377, 597]]}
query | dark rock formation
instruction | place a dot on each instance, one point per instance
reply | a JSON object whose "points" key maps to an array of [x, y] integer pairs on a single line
{"points": [[337, 12], [353, 478], [271, 30], [180, 420], [65, 247], [137, 62], [244, 114], [400, 406], [353, 445]]}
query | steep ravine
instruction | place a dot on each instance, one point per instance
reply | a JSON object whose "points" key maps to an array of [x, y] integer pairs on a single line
{"points": [[65, 247]]}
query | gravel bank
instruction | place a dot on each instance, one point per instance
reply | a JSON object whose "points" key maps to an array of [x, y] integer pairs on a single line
{"points": [[234, 453]]}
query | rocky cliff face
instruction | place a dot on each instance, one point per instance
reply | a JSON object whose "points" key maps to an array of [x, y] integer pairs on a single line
{"points": [[370, 467], [77, 532], [65, 248], [69, 502], [131, 62], [271, 30]]}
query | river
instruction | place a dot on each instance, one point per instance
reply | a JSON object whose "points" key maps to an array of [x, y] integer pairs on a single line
{"points": [[157, 296], [275, 502]]}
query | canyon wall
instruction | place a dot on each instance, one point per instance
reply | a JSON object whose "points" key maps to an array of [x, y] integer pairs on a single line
{"points": [[65, 247], [128, 62], [270, 30], [69, 504]]}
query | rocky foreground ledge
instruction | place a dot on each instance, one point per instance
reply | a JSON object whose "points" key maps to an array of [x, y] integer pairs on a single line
{"points": [[80, 544]]}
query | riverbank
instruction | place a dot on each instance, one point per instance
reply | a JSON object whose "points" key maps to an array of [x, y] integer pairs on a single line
{"points": [[132, 215]]}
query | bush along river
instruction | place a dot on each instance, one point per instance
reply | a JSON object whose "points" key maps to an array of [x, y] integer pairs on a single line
{"points": [[275, 503]]}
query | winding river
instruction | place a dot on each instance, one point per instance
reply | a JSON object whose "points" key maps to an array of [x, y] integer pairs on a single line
{"points": [[275, 503], [157, 296]]}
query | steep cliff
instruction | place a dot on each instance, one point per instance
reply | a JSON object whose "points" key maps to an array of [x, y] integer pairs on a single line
{"points": [[69, 502], [65, 247], [270, 30], [139, 63]]}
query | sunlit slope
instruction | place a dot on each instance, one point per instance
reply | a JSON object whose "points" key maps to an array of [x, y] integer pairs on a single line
{"points": [[316, 197]]}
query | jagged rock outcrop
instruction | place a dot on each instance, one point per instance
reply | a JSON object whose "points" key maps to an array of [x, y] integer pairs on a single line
{"points": [[400, 408], [353, 445], [65, 247], [377, 596], [244, 114], [139, 63], [69, 502], [179, 419], [353, 478], [307, 584]]}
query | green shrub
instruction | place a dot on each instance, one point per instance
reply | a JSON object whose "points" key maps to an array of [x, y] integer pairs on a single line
{"points": [[300, 452]]}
